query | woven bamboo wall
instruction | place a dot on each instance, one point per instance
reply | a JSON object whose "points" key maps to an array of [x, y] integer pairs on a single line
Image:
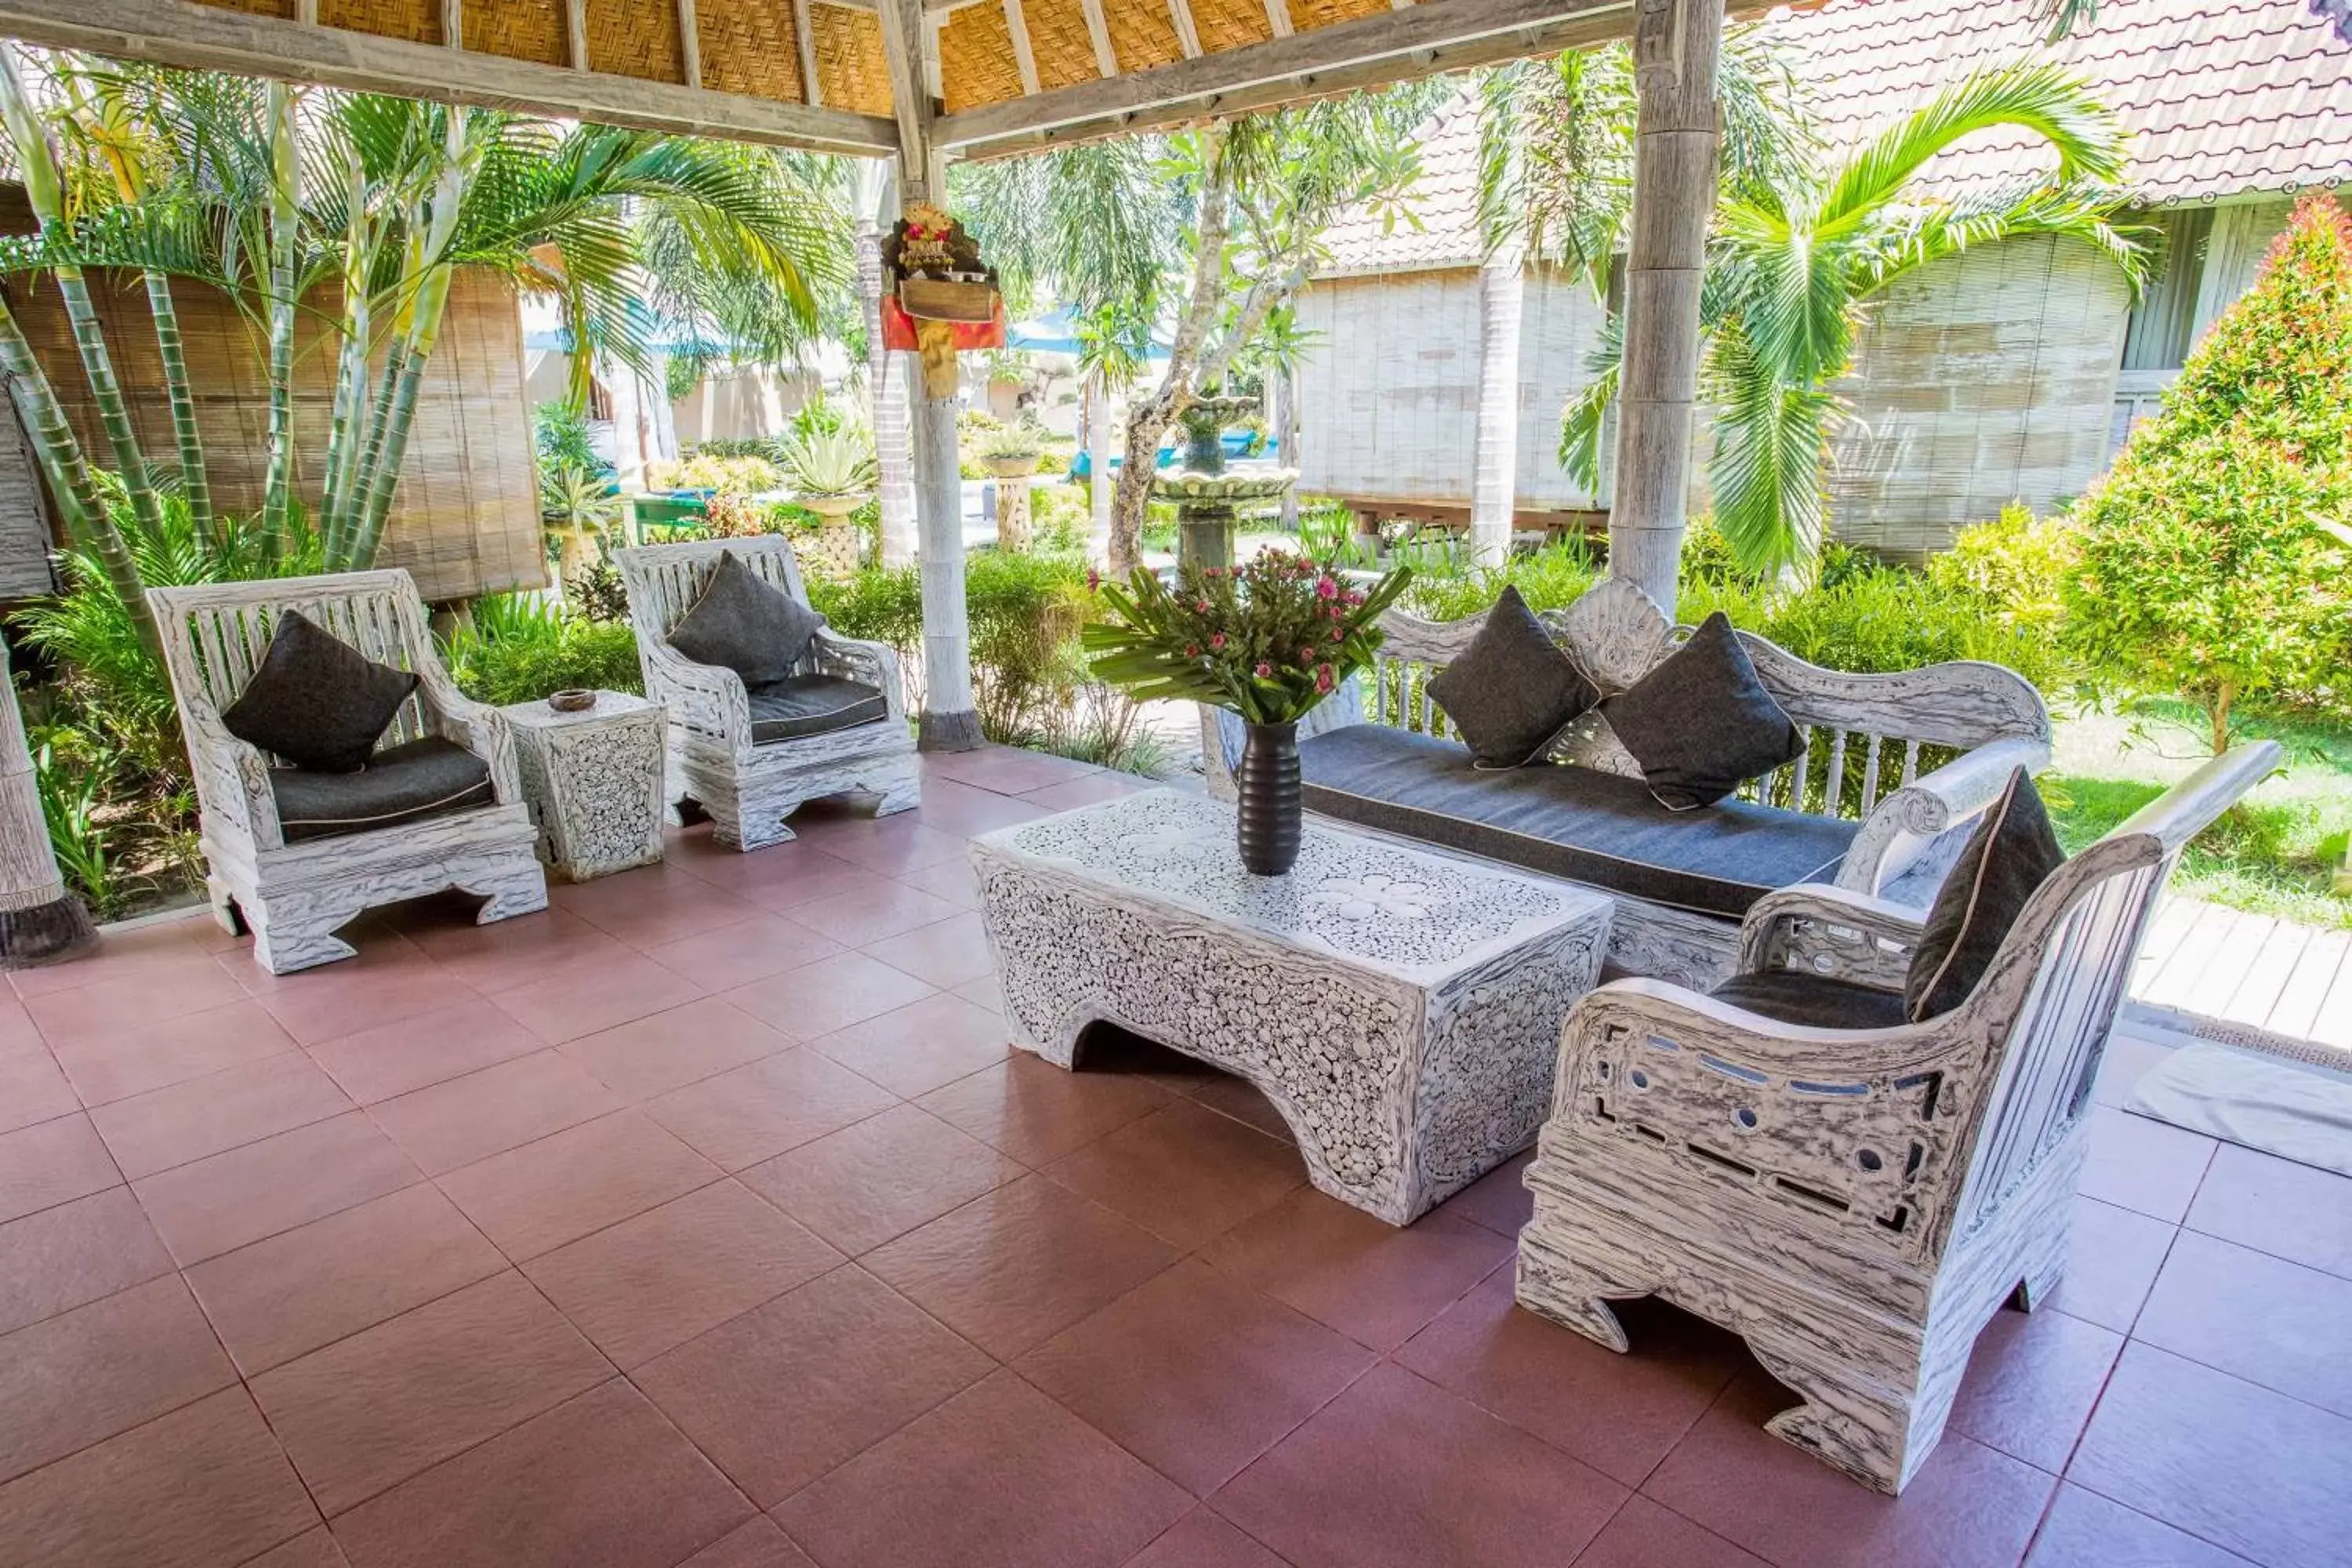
{"points": [[748, 47], [1142, 35], [1984, 379], [1230, 23], [850, 70], [466, 518], [1065, 50], [1388, 399], [976, 60], [418, 21], [518, 29]]}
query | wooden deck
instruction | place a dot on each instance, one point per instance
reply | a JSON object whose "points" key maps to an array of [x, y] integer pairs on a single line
{"points": [[2250, 968]]}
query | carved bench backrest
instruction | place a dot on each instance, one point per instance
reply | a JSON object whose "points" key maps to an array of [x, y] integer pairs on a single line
{"points": [[664, 580], [216, 635], [1866, 733]]}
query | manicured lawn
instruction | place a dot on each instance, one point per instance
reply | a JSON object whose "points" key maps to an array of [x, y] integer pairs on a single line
{"points": [[2275, 854]]}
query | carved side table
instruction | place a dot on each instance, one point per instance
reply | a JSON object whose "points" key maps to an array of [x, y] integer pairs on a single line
{"points": [[593, 780]]}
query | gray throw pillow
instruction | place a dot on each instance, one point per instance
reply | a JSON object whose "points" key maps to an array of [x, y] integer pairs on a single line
{"points": [[745, 624], [2007, 858], [1513, 690], [1700, 723], [316, 701]]}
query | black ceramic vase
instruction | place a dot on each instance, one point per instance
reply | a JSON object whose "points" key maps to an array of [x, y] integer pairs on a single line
{"points": [[1267, 796]]}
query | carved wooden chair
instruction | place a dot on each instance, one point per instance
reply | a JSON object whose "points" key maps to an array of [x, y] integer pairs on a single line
{"points": [[1854, 1203], [720, 755], [293, 895]]}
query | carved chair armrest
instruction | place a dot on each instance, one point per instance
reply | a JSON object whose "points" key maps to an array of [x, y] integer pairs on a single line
{"points": [[705, 700], [1830, 931], [477, 726], [855, 658], [232, 779], [1901, 826]]}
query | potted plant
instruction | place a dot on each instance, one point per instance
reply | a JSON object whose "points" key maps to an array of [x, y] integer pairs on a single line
{"points": [[1265, 641], [576, 506], [1011, 453], [833, 472]]}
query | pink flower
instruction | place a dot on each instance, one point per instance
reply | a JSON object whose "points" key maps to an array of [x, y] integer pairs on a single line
{"points": [[1218, 642], [1263, 671], [1324, 681], [1326, 589], [1192, 650], [1200, 607], [1213, 572], [1337, 635], [1094, 579]]}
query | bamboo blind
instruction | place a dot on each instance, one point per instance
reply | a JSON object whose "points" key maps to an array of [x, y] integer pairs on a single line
{"points": [[850, 70], [976, 58], [1065, 50], [1142, 35], [465, 517], [418, 21], [629, 37], [1228, 24], [748, 47], [518, 29]]}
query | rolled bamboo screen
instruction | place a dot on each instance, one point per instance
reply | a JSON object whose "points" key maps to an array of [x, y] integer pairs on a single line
{"points": [[466, 518]]}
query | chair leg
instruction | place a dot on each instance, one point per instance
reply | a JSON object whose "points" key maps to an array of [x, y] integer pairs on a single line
{"points": [[1877, 1425], [285, 942], [736, 826], [520, 891], [902, 793], [1571, 1291], [224, 910]]}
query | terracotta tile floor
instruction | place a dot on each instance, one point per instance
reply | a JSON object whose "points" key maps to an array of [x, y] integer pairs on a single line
{"points": [[706, 1219]]}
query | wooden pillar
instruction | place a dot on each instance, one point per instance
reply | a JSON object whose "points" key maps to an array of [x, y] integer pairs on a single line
{"points": [[1675, 44], [948, 721], [1502, 291], [886, 373]]}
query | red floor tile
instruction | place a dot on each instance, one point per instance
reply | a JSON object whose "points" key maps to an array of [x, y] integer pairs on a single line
{"points": [[1619, 1413], [205, 1485], [650, 1057], [748, 950], [1202, 1539], [1398, 1471], [2146, 1165], [946, 953], [2202, 1451], [987, 992], [221, 1203], [1037, 1112], [1499, 1200], [2274, 1206], [545, 945], [601, 1482], [566, 1006], [892, 845], [1016, 1265], [1195, 1373], [756, 1543], [310, 1286], [171, 988], [789, 886], [449, 1042], [1645, 1535], [950, 880], [52, 1163], [1242, 1101], [651, 1283], [757, 1111], [120, 1063], [786, 1391], [534, 1199], [312, 1548], [391, 980], [77, 1252], [2032, 1383], [880, 1177], [488, 1112], [2113, 1256], [368, 1412], [1367, 1278], [964, 810], [869, 915], [1183, 1172], [999, 1477], [2254, 1316], [1072, 793], [914, 1049], [1968, 1506], [82, 1376], [828, 994], [121, 952], [649, 910], [227, 1110], [2085, 1531], [33, 1088]]}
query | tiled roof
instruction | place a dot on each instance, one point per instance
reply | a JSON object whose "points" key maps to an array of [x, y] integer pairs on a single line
{"points": [[2223, 97]]}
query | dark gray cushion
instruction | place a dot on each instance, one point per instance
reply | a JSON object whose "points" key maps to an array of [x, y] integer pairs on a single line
{"points": [[803, 705], [1565, 821], [430, 777], [1794, 996], [2011, 854], [1700, 723], [1513, 688], [746, 625], [316, 701]]}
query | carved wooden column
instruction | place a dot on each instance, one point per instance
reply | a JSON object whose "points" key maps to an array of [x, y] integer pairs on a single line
{"points": [[1675, 44]]}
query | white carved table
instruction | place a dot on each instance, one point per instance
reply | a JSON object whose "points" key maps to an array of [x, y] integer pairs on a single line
{"points": [[1402, 1009], [593, 780]]}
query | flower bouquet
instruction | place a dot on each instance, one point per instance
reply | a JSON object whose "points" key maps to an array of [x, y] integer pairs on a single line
{"points": [[1265, 641]]}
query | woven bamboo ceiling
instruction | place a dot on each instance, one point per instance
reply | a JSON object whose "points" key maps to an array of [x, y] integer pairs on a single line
{"points": [[998, 75]]}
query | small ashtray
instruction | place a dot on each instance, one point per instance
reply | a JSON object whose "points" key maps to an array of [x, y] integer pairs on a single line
{"points": [[574, 700]]}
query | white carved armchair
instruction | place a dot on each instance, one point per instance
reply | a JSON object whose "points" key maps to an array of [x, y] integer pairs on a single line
{"points": [[293, 895], [718, 759], [1855, 1202]]}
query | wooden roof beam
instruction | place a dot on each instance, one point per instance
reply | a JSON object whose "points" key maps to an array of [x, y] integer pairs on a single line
{"points": [[1390, 46], [208, 37]]}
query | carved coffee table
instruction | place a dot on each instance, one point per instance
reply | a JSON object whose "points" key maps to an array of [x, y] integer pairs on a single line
{"points": [[1400, 1009]]}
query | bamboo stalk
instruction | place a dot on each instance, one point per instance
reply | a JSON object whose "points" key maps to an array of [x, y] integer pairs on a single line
{"points": [[284, 172]]}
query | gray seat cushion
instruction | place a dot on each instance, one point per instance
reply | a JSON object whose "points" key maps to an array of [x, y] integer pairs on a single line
{"points": [[803, 705], [431, 777], [1579, 823], [1794, 996]]}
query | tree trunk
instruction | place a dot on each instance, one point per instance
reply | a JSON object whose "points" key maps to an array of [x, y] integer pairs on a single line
{"points": [[278, 487], [1675, 44], [40, 921], [195, 485], [1502, 290], [1286, 436], [1097, 468], [2224, 698]]}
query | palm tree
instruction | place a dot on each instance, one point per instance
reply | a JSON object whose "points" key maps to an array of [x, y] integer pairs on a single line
{"points": [[1113, 348], [1798, 252]]}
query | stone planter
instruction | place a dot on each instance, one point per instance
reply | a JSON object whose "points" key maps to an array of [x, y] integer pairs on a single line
{"points": [[832, 551], [1012, 529]]}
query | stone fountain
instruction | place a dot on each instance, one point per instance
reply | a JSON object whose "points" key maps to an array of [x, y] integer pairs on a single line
{"points": [[1207, 495]]}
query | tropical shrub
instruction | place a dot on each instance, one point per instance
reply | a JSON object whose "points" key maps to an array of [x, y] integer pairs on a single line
{"points": [[1059, 516], [2016, 567], [706, 470], [1548, 579], [835, 462], [520, 648], [2214, 553]]}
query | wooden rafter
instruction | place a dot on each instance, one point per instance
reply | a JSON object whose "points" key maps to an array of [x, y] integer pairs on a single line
{"points": [[453, 24], [1099, 34], [1025, 58], [575, 33], [208, 37], [1277, 16], [689, 42], [1188, 35], [804, 39]]}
